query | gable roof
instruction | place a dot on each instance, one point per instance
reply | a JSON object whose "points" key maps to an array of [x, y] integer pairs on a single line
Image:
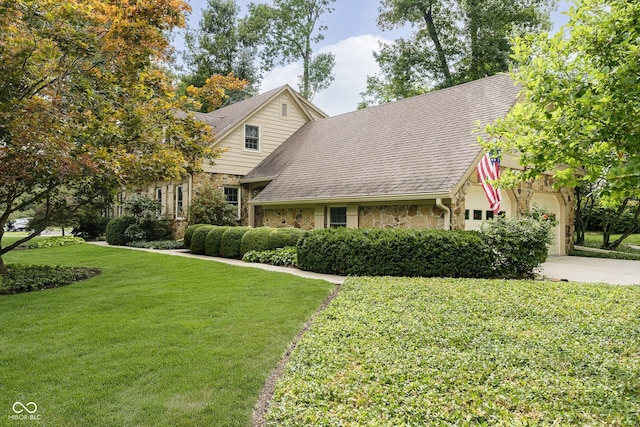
{"points": [[225, 119], [418, 146]]}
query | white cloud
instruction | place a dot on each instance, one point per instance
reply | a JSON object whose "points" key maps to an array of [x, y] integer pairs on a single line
{"points": [[354, 62]]}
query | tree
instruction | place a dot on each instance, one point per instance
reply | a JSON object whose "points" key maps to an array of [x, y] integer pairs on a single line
{"points": [[209, 206], [579, 113], [220, 46], [286, 31], [213, 94], [85, 106], [455, 41]]}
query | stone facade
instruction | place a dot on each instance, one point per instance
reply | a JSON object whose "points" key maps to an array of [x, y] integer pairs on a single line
{"points": [[302, 218], [401, 216]]}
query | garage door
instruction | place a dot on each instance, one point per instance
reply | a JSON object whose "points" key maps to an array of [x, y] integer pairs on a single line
{"points": [[477, 207], [550, 203]]}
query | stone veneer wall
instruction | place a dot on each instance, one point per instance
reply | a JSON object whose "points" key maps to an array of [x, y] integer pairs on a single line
{"points": [[225, 180], [302, 218], [401, 216]]}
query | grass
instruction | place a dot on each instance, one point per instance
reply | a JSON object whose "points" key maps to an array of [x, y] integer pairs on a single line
{"points": [[155, 340], [414, 352], [594, 239]]}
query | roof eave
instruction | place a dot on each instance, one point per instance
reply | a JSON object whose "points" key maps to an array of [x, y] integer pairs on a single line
{"points": [[354, 200]]}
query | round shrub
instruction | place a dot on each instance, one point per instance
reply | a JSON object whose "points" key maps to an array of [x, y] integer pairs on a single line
{"points": [[212, 242], [116, 228], [395, 252], [198, 239], [231, 241], [266, 238], [189, 232], [519, 244]]}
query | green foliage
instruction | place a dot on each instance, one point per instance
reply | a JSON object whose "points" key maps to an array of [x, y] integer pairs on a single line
{"points": [[159, 244], [608, 254], [198, 239], [55, 241], [453, 42], [116, 228], [188, 233], [442, 352], [519, 244], [209, 206], [580, 102], [147, 226], [28, 278], [266, 238], [231, 241], [395, 252], [284, 257], [91, 226], [286, 32], [212, 242]]}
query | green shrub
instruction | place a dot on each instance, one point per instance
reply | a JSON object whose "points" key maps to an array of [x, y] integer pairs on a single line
{"points": [[27, 278], [231, 241], [198, 239], [519, 244], [209, 206], [266, 238], [189, 232], [212, 242], [159, 244], [116, 228], [395, 252], [55, 241], [285, 257], [91, 227]]}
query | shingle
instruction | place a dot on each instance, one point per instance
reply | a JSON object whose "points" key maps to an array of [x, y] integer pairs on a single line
{"points": [[418, 145]]}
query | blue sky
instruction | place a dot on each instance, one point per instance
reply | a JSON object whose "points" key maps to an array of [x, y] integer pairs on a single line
{"points": [[352, 35]]}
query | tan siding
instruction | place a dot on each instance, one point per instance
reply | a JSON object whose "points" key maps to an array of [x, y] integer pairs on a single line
{"points": [[274, 130]]}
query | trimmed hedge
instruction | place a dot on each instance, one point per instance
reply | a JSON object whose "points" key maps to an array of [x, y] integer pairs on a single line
{"points": [[115, 232], [188, 233], [265, 238], [231, 241], [396, 252], [198, 239], [212, 242]]}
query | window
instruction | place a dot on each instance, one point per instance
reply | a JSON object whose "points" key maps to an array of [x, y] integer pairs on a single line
{"points": [[284, 110], [179, 200], [251, 138], [159, 199], [466, 214], [477, 215], [337, 217], [488, 215], [232, 194], [120, 204]]}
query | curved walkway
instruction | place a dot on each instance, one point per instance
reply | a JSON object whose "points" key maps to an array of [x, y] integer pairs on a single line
{"points": [[338, 280]]}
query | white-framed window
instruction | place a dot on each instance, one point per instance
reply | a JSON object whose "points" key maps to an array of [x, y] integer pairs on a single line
{"points": [[179, 211], [159, 199], [120, 205], [284, 110], [251, 138], [232, 194], [337, 217]]}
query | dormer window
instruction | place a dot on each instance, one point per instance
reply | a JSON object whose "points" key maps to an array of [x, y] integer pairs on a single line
{"points": [[251, 138]]}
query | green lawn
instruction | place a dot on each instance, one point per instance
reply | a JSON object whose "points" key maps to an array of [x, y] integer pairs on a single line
{"points": [[423, 352], [155, 340], [594, 239]]}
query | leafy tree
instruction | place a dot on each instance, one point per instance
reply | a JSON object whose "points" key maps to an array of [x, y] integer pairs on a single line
{"points": [[221, 45], [209, 206], [215, 91], [455, 41], [580, 104], [85, 106], [147, 226], [287, 32]]}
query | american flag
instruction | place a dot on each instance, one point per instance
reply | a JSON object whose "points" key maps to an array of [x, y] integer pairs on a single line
{"points": [[489, 170]]}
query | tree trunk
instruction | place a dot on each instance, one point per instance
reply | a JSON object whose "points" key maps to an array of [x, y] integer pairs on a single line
{"points": [[444, 65], [474, 66], [3, 268], [630, 229]]}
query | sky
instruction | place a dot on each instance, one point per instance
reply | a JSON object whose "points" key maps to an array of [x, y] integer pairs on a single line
{"points": [[353, 36]]}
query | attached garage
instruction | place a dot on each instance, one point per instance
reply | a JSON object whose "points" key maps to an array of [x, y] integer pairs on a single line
{"points": [[477, 207], [551, 204]]}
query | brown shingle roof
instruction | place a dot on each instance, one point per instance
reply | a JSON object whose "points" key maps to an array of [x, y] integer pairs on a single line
{"points": [[420, 145]]}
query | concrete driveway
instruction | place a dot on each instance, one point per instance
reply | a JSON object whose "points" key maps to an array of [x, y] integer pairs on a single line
{"points": [[592, 270]]}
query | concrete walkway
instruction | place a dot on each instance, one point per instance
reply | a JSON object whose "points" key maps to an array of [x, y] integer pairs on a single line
{"points": [[338, 280]]}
